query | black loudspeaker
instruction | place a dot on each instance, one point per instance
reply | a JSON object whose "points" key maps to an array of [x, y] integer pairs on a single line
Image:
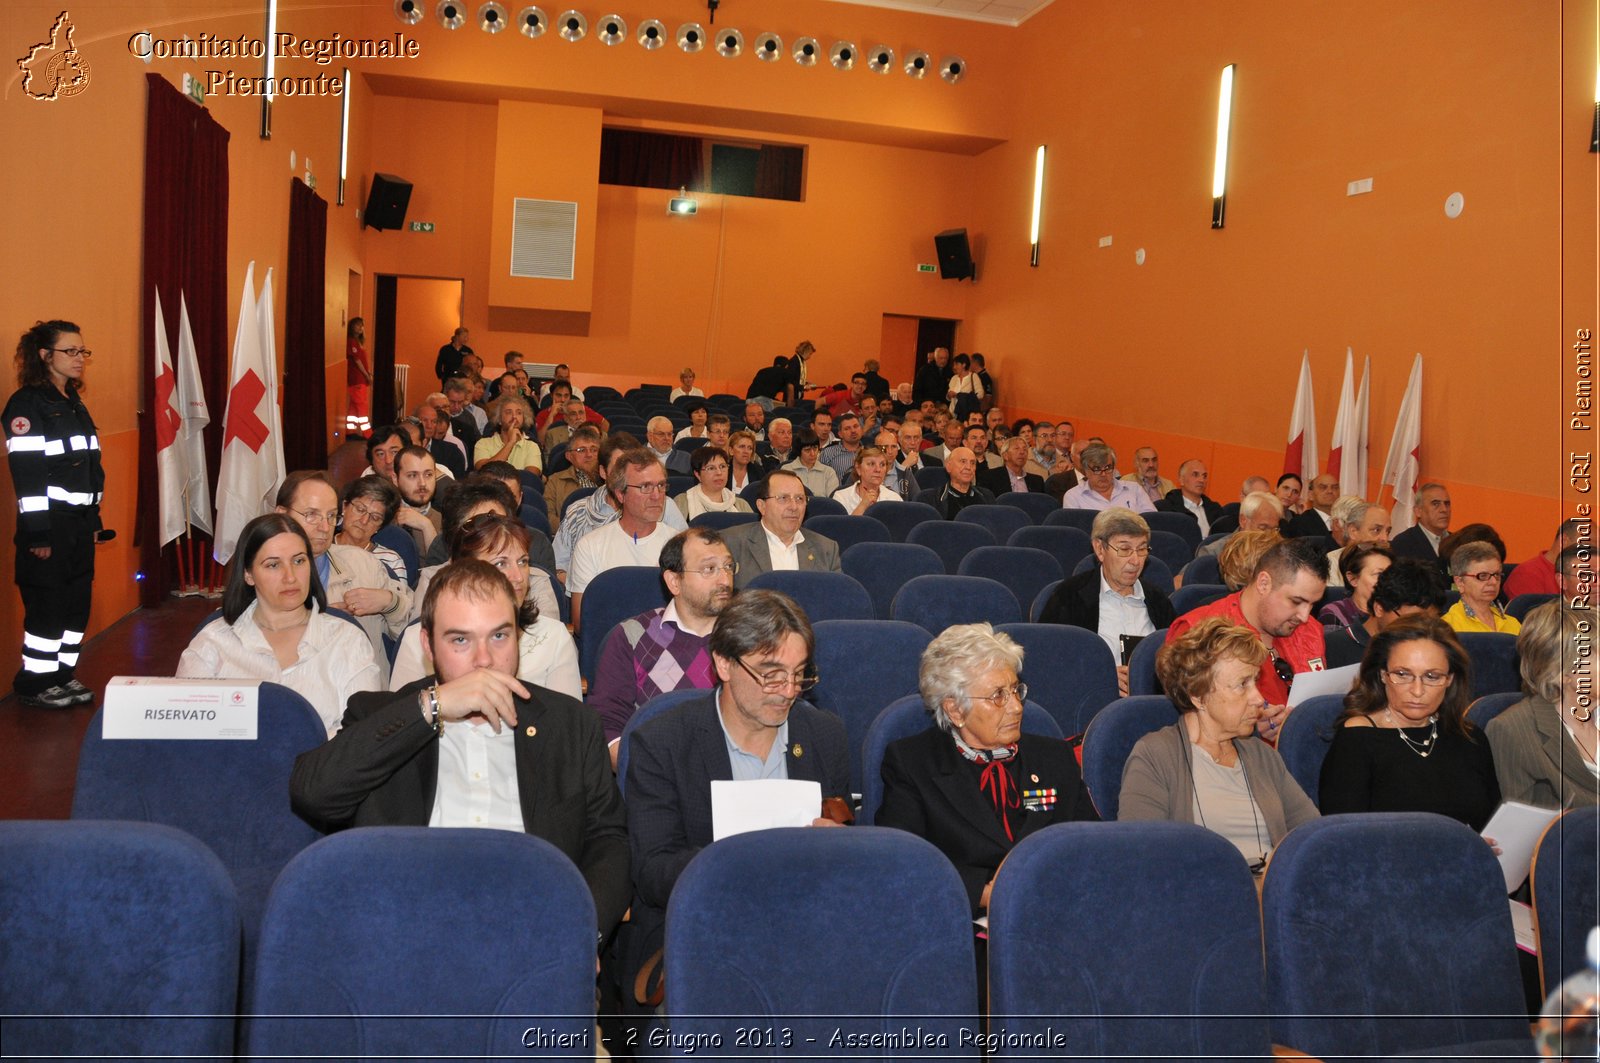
{"points": [[387, 200], [955, 255]]}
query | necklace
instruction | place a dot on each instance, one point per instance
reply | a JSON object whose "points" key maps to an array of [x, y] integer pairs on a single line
{"points": [[1424, 748]]}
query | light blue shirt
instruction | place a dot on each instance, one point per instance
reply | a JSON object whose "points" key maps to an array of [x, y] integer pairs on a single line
{"points": [[1121, 615], [748, 766], [1123, 494], [840, 460]]}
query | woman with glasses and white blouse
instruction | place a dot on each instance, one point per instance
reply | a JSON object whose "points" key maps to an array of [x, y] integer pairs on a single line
{"points": [[973, 784], [1404, 743]]}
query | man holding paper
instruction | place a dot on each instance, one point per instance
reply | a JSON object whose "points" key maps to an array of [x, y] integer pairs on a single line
{"points": [[750, 728]]}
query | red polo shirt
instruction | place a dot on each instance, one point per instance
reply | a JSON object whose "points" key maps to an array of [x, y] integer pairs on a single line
{"points": [[1303, 649], [1537, 575]]}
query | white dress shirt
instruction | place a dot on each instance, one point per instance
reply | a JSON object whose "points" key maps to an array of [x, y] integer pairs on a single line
{"points": [[784, 558], [1122, 615], [477, 784], [850, 497], [1199, 511], [333, 660]]}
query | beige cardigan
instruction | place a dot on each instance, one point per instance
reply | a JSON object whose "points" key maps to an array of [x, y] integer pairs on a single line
{"points": [[1536, 760]]}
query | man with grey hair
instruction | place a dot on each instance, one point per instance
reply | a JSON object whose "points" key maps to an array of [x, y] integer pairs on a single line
{"points": [[658, 438], [961, 489], [1044, 445], [974, 784], [1356, 521], [777, 449], [1146, 474], [1252, 484], [750, 727], [1260, 511], [1101, 489], [1190, 496], [1432, 514], [1114, 600]]}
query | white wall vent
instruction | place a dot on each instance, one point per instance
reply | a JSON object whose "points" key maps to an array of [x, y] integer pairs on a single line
{"points": [[544, 238]]}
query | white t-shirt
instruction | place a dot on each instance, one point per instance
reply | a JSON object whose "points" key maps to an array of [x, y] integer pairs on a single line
{"points": [[611, 547]]}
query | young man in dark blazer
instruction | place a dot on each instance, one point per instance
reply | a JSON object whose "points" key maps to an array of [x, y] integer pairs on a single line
{"points": [[401, 758], [1121, 541]]}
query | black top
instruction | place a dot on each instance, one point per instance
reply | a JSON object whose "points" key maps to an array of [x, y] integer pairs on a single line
{"points": [[931, 382], [769, 382], [448, 364], [1347, 646], [952, 501], [1371, 769]]}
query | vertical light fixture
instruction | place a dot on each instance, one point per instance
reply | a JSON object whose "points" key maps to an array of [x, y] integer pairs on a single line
{"points": [[1038, 198], [1219, 172], [344, 132], [270, 69], [1594, 136]]}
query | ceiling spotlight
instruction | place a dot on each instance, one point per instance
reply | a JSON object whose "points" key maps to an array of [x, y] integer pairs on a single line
{"points": [[769, 47], [408, 11], [842, 55], [691, 38], [492, 17], [953, 69], [613, 31], [652, 34], [916, 64], [531, 21], [729, 43], [880, 59], [805, 51], [452, 14], [573, 26]]}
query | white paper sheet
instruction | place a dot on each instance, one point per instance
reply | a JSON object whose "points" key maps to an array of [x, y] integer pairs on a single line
{"points": [[1522, 927], [169, 708], [1328, 681], [737, 807], [1515, 828]]}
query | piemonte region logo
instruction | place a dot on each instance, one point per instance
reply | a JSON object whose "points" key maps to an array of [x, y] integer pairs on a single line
{"points": [[55, 69]]}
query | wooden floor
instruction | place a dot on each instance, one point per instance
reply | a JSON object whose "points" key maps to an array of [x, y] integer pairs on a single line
{"points": [[39, 747]]}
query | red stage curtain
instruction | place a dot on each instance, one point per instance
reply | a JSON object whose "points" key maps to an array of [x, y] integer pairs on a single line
{"points": [[305, 405]]}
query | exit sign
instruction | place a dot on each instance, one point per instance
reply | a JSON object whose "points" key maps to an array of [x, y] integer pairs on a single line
{"points": [[422, 226], [926, 267]]}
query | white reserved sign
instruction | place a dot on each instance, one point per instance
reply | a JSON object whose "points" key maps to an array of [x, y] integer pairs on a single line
{"points": [[161, 707]]}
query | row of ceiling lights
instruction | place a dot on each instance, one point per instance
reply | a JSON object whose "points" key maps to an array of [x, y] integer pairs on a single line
{"points": [[531, 21]]}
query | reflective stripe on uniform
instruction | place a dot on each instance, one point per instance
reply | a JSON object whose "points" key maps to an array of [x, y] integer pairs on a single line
{"points": [[54, 447], [94, 442], [71, 498], [68, 660], [78, 442], [33, 504], [42, 645], [71, 638], [24, 444], [32, 664]]}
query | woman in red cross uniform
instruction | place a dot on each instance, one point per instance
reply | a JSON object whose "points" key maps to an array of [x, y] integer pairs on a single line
{"points": [[54, 454]]}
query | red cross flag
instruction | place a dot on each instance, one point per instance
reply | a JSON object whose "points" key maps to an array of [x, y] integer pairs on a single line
{"points": [[1300, 456], [252, 459]]}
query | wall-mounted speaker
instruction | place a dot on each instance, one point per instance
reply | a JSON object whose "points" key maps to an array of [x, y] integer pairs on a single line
{"points": [[955, 255], [386, 202]]}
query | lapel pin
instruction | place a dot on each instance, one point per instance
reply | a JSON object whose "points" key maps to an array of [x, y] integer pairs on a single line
{"points": [[799, 752], [810, 556], [531, 731], [1035, 778]]}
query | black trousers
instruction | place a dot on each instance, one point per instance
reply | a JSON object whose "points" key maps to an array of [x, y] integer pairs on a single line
{"points": [[55, 603]]}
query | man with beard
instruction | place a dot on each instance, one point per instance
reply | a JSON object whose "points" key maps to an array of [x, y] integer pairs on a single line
{"points": [[416, 474], [665, 649]]}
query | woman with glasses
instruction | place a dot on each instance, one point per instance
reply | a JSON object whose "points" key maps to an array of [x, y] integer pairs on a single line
{"points": [[1477, 569], [546, 654], [1208, 768], [711, 493], [366, 507], [1404, 743], [54, 455], [274, 625], [974, 785]]}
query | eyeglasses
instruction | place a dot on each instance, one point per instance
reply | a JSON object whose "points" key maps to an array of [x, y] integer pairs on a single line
{"points": [[1002, 694], [657, 488], [718, 467], [1129, 551], [1399, 677], [72, 352], [583, 450], [1098, 470], [1484, 577], [777, 680], [364, 512], [711, 570], [313, 517], [785, 500]]}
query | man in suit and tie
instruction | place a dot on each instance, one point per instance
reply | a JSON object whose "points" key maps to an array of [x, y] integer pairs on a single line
{"points": [[1012, 475], [1432, 513], [751, 727], [407, 758], [775, 542]]}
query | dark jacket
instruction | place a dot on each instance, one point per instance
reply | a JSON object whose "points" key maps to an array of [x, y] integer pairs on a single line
{"points": [[930, 790], [998, 481], [1172, 502], [382, 768], [769, 382], [1412, 543], [1076, 602], [1308, 523]]}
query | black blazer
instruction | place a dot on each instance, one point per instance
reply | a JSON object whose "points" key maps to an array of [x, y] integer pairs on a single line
{"points": [[1308, 524], [998, 481], [382, 767], [449, 455], [930, 790], [1172, 502], [672, 761], [1077, 602], [1412, 543]]}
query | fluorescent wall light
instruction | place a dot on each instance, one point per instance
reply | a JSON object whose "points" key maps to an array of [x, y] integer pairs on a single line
{"points": [[271, 69], [1038, 198], [1219, 172], [1594, 135], [344, 133]]}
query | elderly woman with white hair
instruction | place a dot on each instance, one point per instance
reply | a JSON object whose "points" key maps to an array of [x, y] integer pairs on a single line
{"points": [[1545, 746], [974, 785]]}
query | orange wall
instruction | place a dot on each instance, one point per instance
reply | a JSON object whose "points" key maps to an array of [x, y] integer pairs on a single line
{"points": [[427, 313], [1203, 342]]}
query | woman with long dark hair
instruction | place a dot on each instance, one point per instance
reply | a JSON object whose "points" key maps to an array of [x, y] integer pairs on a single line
{"points": [[54, 454], [274, 625]]}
